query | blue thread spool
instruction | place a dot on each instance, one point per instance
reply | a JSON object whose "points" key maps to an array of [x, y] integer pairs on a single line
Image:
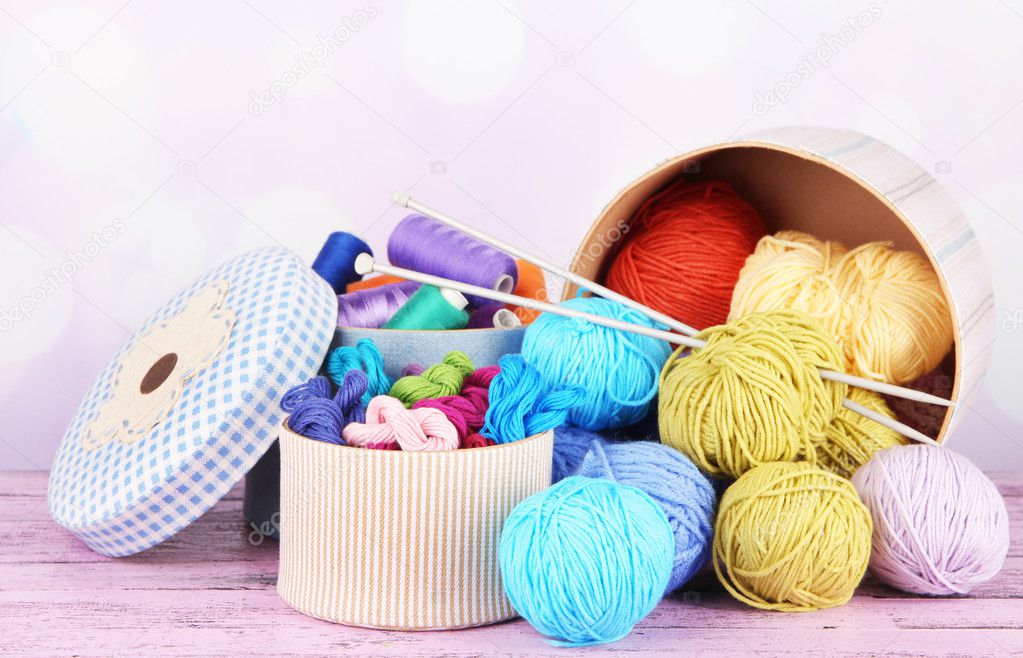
{"points": [[336, 260]]}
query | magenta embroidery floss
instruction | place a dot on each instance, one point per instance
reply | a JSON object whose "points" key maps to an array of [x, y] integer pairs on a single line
{"points": [[372, 308], [425, 245]]}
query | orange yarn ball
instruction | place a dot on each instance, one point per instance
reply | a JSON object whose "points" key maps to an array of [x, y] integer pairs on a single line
{"points": [[684, 249]]}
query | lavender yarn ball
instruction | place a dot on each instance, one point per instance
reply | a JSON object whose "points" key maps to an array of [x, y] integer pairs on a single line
{"points": [[685, 495], [940, 525]]}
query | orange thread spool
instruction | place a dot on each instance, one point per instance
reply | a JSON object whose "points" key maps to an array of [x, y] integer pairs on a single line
{"points": [[372, 282], [684, 249], [533, 285]]}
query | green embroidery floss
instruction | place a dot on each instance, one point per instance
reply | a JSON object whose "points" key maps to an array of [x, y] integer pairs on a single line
{"points": [[437, 381], [431, 308]]}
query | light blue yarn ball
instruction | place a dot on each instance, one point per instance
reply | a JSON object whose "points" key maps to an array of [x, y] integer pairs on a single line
{"points": [[685, 495], [585, 560], [618, 369]]}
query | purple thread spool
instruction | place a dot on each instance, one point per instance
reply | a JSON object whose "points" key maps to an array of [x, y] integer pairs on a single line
{"points": [[370, 309], [493, 316], [423, 244]]}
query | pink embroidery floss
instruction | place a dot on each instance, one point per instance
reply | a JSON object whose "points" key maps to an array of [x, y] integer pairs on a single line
{"points": [[389, 426], [940, 525]]}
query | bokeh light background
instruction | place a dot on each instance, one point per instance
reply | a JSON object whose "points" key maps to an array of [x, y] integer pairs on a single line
{"points": [[142, 143]]}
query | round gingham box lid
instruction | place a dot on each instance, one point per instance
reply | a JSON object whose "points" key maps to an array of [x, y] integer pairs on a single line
{"points": [[185, 409]]}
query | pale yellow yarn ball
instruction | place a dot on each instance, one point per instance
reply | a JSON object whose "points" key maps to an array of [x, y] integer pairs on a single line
{"points": [[754, 394], [851, 439], [791, 537], [884, 307]]}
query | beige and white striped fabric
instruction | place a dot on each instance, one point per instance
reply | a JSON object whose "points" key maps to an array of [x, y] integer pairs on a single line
{"points": [[401, 540]]}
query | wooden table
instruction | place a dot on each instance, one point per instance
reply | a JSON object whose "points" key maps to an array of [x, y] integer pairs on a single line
{"points": [[209, 591]]}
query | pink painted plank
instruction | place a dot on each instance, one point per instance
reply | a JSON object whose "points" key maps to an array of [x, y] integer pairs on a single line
{"points": [[208, 591]]}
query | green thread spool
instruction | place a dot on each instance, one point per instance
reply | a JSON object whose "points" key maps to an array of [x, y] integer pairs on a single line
{"points": [[431, 308]]}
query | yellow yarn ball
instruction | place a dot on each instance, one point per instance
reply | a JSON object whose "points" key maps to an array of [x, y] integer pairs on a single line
{"points": [[851, 439], [885, 307], [752, 395], [791, 537]]}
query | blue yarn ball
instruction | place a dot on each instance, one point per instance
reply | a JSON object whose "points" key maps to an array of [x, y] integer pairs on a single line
{"points": [[687, 497], [618, 369], [585, 560]]}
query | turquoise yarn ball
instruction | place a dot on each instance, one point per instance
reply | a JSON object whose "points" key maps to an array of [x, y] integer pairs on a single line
{"points": [[619, 370], [585, 560]]}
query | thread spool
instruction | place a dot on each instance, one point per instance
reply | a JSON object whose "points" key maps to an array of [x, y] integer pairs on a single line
{"points": [[372, 282], [884, 307], [585, 560], [372, 308], [940, 525], [686, 497], [791, 537], [683, 251], [617, 370], [431, 307], [336, 260], [426, 245], [523, 403], [493, 316], [851, 439], [389, 426], [752, 395], [532, 285]]}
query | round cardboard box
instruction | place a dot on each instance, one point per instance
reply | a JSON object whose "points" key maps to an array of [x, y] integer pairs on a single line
{"points": [[836, 185], [401, 540]]}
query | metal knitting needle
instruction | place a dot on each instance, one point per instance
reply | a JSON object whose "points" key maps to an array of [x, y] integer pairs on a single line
{"points": [[366, 264], [402, 199]]}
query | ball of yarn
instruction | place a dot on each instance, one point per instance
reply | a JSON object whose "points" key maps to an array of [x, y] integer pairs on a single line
{"points": [[389, 425], [683, 251], [618, 370], [585, 560], [885, 307], [444, 378], [570, 446], [851, 439], [752, 395], [940, 525], [426, 245], [523, 403], [686, 497], [791, 537], [336, 260]]}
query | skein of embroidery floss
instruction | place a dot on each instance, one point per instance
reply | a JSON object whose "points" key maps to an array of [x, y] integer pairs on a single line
{"points": [[752, 395], [851, 439], [316, 415], [364, 356], [940, 525], [389, 425], [426, 245], [618, 370], [372, 308], [431, 307], [336, 260], [586, 559], [493, 316], [684, 494], [523, 403], [791, 537], [885, 307], [684, 249], [442, 379]]}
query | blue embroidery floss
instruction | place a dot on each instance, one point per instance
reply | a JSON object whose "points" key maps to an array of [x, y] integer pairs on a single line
{"points": [[336, 260], [317, 387], [364, 356], [619, 370], [523, 403], [586, 559], [425, 245], [373, 307]]}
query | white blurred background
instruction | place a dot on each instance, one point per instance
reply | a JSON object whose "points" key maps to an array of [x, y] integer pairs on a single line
{"points": [[141, 143]]}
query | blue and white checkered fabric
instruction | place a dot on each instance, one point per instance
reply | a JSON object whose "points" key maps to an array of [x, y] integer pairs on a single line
{"points": [[123, 498]]}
